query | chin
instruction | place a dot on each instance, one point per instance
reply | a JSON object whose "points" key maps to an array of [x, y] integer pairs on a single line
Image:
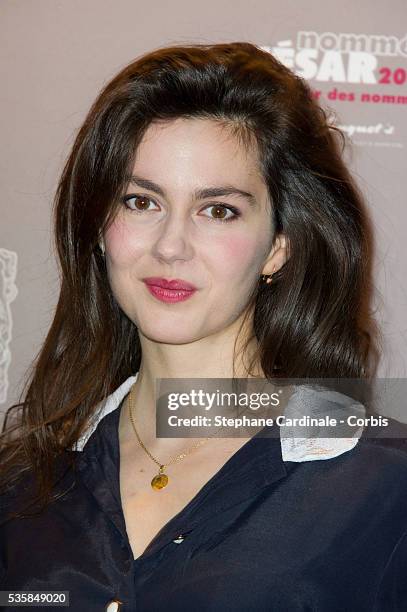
{"points": [[167, 332]]}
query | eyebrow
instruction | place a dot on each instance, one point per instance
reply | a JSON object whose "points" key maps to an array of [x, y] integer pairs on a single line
{"points": [[199, 194]]}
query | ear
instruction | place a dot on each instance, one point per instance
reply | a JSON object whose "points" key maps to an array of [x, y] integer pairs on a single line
{"points": [[278, 255], [101, 244]]}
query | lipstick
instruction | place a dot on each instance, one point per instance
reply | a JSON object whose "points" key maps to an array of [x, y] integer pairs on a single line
{"points": [[170, 291]]}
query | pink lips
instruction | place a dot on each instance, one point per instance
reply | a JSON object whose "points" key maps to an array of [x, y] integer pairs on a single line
{"points": [[175, 290]]}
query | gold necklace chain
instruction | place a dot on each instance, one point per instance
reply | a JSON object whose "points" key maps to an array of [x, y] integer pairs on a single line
{"points": [[160, 480]]}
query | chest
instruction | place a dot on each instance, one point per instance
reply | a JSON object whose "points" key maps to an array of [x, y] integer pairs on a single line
{"points": [[147, 510]]}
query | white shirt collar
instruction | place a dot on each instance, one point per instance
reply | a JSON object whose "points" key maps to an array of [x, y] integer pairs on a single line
{"points": [[292, 448]]}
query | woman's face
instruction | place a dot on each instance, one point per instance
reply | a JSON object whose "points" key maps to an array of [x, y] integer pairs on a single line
{"points": [[218, 243]]}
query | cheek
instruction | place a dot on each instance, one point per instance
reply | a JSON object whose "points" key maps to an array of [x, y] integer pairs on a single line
{"points": [[122, 245], [237, 256]]}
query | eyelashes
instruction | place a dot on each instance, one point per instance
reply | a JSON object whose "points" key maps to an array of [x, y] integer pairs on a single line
{"points": [[236, 212]]}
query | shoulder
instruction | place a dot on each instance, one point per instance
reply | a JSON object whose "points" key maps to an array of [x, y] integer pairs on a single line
{"points": [[379, 459], [21, 497], [385, 436]]}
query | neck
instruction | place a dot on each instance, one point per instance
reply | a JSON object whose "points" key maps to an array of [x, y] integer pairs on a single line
{"points": [[211, 357]]}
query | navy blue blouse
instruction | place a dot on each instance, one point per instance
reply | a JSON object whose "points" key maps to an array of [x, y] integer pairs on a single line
{"points": [[263, 534]]}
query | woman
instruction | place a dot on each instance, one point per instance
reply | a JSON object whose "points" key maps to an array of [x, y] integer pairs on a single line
{"points": [[206, 227]]}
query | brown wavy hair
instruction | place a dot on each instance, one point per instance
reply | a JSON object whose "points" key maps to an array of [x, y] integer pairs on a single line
{"points": [[314, 320]]}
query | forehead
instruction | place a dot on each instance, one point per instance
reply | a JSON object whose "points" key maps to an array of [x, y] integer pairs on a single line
{"points": [[198, 147]]}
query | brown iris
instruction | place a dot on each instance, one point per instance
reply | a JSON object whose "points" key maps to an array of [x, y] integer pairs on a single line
{"points": [[144, 200], [219, 208]]}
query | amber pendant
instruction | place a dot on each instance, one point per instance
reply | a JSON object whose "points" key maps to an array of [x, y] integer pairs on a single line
{"points": [[160, 480]]}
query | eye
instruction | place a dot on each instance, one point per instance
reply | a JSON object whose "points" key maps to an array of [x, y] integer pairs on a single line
{"points": [[221, 210], [141, 202]]}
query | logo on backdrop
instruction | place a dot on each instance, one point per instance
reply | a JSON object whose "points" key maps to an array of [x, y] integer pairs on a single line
{"points": [[369, 69], [344, 58], [8, 293]]}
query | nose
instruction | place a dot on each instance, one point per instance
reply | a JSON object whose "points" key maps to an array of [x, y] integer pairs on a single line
{"points": [[173, 242]]}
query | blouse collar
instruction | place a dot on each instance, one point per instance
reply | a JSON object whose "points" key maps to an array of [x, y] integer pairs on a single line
{"points": [[304, 400]]}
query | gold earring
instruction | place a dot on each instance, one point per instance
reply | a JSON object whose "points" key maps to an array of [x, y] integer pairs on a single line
{"points": [[267, 278]]}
